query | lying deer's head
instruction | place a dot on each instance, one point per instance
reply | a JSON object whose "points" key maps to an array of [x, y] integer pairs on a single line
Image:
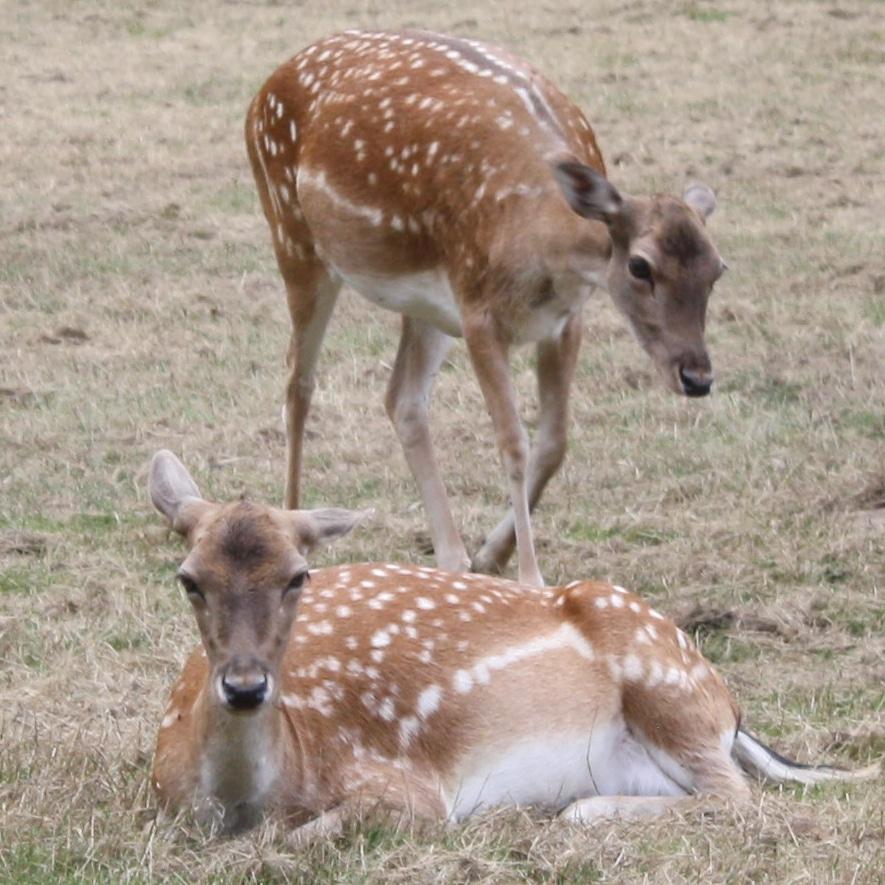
{"points": [[243, 576], [662, 269]]}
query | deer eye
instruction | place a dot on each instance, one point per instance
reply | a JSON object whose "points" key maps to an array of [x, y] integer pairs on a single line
{"points": [[298, 581], [194, 594], [639, 268]]}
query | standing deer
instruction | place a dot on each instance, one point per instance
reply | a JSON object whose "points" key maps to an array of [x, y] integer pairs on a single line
{"points": [[450, 182], [427, 693]]}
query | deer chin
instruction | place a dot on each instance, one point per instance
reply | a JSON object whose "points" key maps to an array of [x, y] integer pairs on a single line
{"points": [[677, 378], [669, 372], [666, 367]]}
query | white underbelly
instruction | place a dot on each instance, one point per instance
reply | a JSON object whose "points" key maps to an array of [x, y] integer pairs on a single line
{"points": [[543, 324], [426, 296], [555, 770]]}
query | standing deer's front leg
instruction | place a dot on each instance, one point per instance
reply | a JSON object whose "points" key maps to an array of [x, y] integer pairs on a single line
{"points": [[488, 352], [422, 350], [556, 368]]}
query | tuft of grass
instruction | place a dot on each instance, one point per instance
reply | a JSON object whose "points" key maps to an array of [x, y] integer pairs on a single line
{"points": [[699, 13], [639, 535]]}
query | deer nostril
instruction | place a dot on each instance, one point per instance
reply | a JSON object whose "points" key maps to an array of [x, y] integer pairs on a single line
{"points": [[695, 383], [242, 694]]}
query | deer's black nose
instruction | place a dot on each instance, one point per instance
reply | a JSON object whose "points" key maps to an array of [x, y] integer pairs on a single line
{"points": [[695, 383], [244, 693]]}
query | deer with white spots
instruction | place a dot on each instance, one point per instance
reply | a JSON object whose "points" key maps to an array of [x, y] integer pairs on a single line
{"points": [[450, 182], [426, 693]]}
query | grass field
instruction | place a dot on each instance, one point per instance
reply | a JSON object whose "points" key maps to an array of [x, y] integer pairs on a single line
{"points": [[140, 308]]}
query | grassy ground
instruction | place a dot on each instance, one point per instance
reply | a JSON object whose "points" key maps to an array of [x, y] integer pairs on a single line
{"points": [[140, 308]]}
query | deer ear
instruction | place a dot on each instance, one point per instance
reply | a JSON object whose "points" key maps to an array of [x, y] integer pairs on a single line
{"points": [[174, 493], [700, 198], [589, 193], [314, 528]]}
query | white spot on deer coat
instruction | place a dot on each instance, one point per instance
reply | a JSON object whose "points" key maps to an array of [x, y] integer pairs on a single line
{"points": [[380, 639], [409, 727], [428, 701], [387, 710], [632, 668], [462, 682]]}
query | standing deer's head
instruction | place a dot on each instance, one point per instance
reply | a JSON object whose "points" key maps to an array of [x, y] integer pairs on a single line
{"points": [[243, 576], [662, 268]]}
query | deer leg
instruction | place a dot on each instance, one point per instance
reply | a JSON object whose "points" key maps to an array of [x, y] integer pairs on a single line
{"points": [[556, 368], [312, 296], [397, 800], [422, 350], [488, 353], [585, 811], [327, 825]]}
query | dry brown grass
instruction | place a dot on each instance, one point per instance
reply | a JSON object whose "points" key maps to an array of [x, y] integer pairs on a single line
{"points": [[140, 309]]}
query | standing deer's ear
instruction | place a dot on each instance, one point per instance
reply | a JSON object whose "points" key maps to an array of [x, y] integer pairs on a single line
{"points": [[316, 527], [700, 198], [174, 493], [590, 194]]}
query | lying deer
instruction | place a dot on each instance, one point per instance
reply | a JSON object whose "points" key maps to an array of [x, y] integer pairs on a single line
{"points": [[430, 694], [450, 182]]}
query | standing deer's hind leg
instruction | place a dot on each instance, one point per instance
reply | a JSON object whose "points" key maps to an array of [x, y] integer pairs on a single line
{"points": [[422, 349], [556, 368], [312, 295], [310, 290]]}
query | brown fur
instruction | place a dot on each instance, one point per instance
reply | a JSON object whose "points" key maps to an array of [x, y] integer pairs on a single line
{"points": [[386, 155], [345, 690]]}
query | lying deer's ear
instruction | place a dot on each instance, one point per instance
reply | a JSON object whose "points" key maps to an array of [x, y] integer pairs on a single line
{"points": [[588, 192], [316, 527], [174, 493], [700, 198]]}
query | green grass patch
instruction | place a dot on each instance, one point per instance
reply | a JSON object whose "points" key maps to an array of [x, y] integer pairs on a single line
{"points": [[39, 862], [830, 703], [705, 13], [238, 197], [29, 577], [864, 422], [874, 308], [77, 523], [643, 536], [723, 648]]}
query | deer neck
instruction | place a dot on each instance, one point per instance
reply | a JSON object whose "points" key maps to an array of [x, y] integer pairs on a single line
{"points": [[242, 758], [576, 252]]}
